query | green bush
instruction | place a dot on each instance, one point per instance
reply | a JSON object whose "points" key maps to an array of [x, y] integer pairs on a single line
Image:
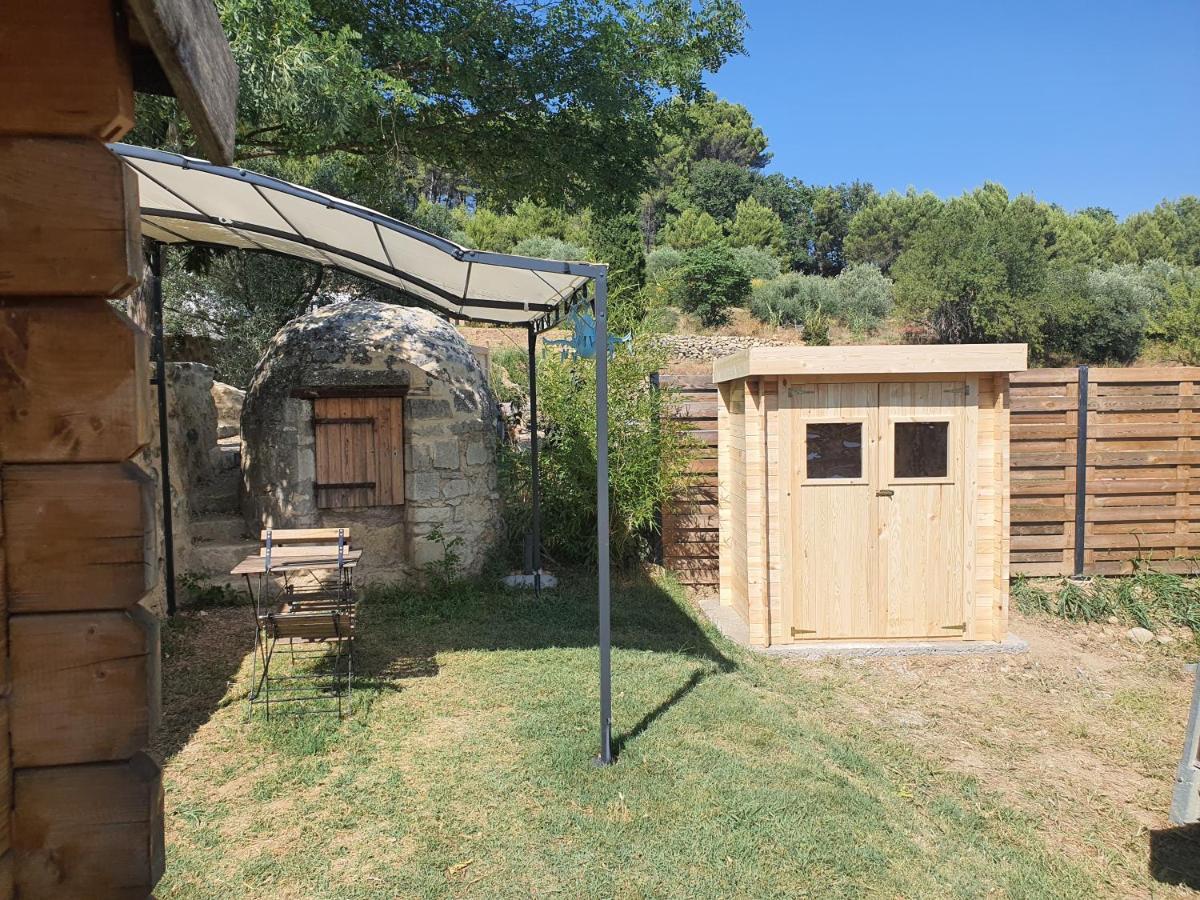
{"points": [[711, 280], [864, 296], [815, 328], [759, 265], [1097, 315], [792, 298], [691, 229], [1175, 308], [976, 273], [649, 452], [549, 248], [661, 263]]}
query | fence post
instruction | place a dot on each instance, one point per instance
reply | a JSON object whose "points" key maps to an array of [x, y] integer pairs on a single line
{"points": [[1081, 438], [657, 549]]}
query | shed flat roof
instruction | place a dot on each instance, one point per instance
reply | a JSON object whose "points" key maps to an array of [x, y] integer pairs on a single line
{"points": [[872, 360]]}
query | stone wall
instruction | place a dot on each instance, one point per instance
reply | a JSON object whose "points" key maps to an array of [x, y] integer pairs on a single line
{"points": [[192, 433], [451, 430], [228, 401], [707, 347]]}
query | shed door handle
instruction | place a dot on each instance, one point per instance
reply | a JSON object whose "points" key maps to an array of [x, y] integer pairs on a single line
{"points": [[886, 492]]}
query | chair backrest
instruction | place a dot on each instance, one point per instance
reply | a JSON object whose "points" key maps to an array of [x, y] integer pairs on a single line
{"points": [[303, 543]]}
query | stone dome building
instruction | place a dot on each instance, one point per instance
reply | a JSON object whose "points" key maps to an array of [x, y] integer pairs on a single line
{"points": [[376, 417]]}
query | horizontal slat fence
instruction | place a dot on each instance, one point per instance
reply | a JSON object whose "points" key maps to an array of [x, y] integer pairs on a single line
{"points": [[1142, 459], [689, 524], [1142, 473]]}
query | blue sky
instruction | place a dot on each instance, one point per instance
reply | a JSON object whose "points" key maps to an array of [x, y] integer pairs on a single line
{"points": [[1081, 104]]}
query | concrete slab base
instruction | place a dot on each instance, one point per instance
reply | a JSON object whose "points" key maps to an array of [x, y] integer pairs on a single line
{"points": [[526, 581], [730, 624]]}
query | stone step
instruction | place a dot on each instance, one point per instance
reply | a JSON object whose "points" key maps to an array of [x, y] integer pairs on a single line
{"points": [[236, 583], [220, 529], [218, 558], [226, 457], [219, 497]]}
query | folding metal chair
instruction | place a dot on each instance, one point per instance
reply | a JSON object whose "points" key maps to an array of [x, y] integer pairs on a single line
{"points": [[305, 616]]}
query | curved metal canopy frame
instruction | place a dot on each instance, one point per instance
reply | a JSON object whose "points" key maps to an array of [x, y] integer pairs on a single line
{"points": [[190, 201]]}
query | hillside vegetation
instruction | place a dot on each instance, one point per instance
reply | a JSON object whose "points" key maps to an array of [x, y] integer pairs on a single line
{"points": [[590, 135]]}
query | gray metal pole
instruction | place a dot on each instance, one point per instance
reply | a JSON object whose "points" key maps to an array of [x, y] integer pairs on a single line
{"points": [[534, 468], [1081, 454], [1185, 804], [160, 379], [602, 550]]}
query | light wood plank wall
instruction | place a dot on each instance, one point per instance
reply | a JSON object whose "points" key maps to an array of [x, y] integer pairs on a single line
{"points": [[731, 425], [1141, 463], [690, 521]]}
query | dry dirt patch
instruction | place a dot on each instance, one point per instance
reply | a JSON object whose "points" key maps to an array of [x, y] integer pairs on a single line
{"points": [[1082, 733]]}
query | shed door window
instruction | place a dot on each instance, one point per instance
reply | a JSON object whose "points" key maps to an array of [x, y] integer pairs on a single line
{"points": [[359, 451], [834, 450], [922, 450]]}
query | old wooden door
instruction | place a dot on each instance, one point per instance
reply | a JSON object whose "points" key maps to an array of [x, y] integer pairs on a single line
{"points": [[359, 451], [874, 516]]}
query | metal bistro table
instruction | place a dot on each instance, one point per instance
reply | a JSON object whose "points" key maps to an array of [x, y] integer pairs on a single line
{"points": [[304, 601]]}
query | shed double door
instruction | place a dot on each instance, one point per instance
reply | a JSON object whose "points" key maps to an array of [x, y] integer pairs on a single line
{"points": [[875, 518]]}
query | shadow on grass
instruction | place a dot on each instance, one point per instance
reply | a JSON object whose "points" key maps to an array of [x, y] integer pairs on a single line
{"points": [[402, 630], [202, 652], [403, 626], [1175, 856]]}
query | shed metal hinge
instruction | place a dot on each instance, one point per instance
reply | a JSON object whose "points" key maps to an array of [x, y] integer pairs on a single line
{"points": [[796, 631], [962, 627]]}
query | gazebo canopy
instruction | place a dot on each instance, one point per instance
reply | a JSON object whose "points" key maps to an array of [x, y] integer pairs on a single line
{"points": [[189, 201]]}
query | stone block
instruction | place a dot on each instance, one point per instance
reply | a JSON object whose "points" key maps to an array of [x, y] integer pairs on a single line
{"points": [[423, 486], [445, 455], [418, 457], [428, 409], [477, 454], [430, 515], [456, 487], [426, 552]]}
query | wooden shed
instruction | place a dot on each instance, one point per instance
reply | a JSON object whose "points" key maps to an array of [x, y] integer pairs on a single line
{"points": [[864, 491]]}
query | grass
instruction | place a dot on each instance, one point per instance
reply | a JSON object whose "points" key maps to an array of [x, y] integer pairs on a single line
{"points": [[1147, 598], [465, 769]]}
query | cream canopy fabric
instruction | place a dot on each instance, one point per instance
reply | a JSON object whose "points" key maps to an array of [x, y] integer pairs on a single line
{"points": [[185, 200]]}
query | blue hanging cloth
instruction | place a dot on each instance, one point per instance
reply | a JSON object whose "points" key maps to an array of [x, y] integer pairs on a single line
{"points": [[582, 342]]}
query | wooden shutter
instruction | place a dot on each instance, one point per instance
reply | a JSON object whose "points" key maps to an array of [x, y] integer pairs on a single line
{"points": [[359, 451]]}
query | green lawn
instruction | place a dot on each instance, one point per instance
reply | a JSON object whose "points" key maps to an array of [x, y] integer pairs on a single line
{"points": [[465, 769]]}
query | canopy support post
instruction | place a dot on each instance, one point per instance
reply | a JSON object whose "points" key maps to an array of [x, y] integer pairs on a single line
{"points": [[160, 380], [534, 468], [602, 549]]}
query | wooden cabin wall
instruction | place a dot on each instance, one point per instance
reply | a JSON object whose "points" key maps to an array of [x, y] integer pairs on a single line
{"points": [[81, 804]]}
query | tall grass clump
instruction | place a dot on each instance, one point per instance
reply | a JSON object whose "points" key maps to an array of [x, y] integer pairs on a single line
{"points": [[1148, 598]]}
